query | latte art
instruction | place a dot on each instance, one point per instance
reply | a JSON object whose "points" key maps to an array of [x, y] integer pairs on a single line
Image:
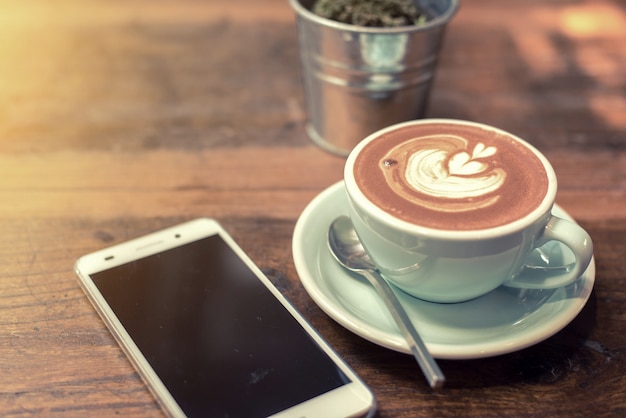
{"points": [[451, 176], [443, 167]]}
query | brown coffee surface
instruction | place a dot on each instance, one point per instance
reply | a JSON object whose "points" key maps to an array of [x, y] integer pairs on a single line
{"points": [[451, 177]]}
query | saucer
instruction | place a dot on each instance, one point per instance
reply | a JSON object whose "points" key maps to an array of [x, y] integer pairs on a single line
{"points": [[502, 321]]}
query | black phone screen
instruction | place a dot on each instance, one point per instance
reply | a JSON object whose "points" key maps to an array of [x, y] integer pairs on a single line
{"points": [[220, 342]]}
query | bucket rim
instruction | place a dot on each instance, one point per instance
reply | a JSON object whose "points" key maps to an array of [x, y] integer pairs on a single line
{"points": [[439, 20]]}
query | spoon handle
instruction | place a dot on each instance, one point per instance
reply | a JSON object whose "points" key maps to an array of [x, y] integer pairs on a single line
{"points": [[427, 363]]}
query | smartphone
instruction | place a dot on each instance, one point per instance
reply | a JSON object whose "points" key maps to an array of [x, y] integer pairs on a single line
{"points": [[210, 334]]}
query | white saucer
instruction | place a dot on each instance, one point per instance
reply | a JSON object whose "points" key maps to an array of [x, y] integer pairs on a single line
{"points": [[500, 322]]}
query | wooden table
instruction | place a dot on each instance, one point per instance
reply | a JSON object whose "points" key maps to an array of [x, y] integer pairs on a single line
{"points": [[118, 118]]}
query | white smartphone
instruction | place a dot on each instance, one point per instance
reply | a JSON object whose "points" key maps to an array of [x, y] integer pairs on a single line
{"points": [[209, 333]]}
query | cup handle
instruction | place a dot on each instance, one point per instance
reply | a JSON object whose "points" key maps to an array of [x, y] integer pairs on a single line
{"points": [[569, 234]]}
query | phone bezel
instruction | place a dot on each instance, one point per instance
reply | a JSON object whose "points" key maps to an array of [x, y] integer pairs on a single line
{"points": [[353, 399]]}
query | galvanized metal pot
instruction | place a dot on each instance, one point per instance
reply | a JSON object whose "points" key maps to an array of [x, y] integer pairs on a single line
{"points": [[358, 80]]}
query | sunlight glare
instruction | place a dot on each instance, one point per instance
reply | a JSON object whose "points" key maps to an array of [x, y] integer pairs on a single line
{"points": [[593, 21]]}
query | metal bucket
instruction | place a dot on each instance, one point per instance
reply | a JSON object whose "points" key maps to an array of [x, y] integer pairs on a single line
{"points": [[358, 80]]}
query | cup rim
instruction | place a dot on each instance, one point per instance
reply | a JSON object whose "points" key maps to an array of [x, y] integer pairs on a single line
{"points": [[364, 204], [437, 21]]}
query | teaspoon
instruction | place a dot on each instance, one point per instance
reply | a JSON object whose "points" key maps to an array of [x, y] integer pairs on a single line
{"points": [[347, 249]]}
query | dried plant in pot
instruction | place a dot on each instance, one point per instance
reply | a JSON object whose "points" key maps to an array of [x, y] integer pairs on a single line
{"points": [[367, 64], [372, 13]]}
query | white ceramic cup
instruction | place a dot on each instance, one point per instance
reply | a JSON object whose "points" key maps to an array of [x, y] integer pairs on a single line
{"points": [[447, 265]]}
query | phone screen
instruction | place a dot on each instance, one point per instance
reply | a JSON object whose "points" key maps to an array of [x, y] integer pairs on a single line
{"points": [[221, 343]]}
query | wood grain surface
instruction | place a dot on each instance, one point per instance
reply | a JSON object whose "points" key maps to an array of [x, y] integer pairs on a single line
{"points": [[118, 118]]}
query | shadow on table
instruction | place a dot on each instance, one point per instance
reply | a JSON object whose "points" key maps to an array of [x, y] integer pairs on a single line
{"points": [[566, 356]]}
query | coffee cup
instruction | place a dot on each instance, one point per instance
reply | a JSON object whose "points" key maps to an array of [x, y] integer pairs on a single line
{"points": [[449, 210]]}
